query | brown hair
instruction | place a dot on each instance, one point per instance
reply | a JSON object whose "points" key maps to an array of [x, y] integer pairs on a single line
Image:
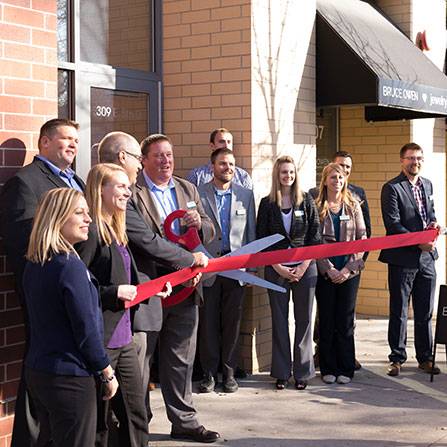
{"points": [[216, 131], [49, 128], [409, 147], [275, 192], [154, 138]]}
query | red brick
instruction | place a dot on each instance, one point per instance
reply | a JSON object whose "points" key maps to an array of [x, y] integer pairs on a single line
{"points": [[2, 373], [11, 318], [50, 22], [15, 104], [45, 5], [24, 88], [24, 139], [15, 69], [13, 371], [6, 281], [14, 158], [12, 300], [23, 16], [24, 52], [44, 38], [44, 73], [6, 425], [5, 174], [8, 390], [14, 33], [21, 122], [44, 107], [2, 341], [24, 3], [12, 353]]}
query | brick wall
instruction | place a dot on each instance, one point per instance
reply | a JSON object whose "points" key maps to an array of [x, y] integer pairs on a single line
{"points": [[28, 97]]}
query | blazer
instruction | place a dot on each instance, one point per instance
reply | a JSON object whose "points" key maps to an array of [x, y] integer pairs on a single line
{"points": [[20, 197], [106, 263], [242, 219], [352, 229], [149, 248], [401, 215], [65, 322], [360, 195], [145, 207], [304, 229]]}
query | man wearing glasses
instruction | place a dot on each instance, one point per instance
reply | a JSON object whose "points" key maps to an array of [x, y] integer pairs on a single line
{"points": [[407, 206]]}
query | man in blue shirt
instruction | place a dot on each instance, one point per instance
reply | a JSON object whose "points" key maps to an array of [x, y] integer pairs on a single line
{"points": [[231, 208], [219, 138], [58, 147]]}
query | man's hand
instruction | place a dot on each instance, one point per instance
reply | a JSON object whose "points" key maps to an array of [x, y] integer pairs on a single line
{"points": [[200, 259], [167, 290], [192, 219], [126, 292], [429, 246], [193, 282]]}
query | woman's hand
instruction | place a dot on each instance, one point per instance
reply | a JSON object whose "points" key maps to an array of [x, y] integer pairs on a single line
{"points": [[193, 282], [286, 272], [338, 276], [301, 269], [127, 292], [167, 290]]}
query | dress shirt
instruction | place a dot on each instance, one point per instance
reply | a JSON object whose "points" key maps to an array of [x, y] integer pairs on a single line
{"points": [[67, 176], [419, 196], [223, 204], [165, 199], [204, 174]]}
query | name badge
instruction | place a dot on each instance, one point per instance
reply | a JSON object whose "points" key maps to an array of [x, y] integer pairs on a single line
{"points": [[191, 205], [298, 213], [240, 212], [430, 197], [344, 217]]}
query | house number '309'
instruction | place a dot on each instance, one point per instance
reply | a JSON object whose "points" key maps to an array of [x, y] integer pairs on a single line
{"points": [[103, 111]]}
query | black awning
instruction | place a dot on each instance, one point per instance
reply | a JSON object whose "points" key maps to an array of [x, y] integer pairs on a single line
{"points": [[363, 59]]}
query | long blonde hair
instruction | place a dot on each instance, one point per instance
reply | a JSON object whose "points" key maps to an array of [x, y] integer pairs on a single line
{"points": [[99, 176], [275, 195], [46, 239], [346, 196]]}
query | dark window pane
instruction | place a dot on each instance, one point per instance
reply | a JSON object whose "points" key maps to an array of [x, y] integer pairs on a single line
{"points": [[113, 110], [63, 94], [117, 33], [327, 137], [63, 53]]}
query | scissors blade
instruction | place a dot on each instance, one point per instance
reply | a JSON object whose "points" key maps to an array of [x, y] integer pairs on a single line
{"points": [[257, 246], [251, 279]]}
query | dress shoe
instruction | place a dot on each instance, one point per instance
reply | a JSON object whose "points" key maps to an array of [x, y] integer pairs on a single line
{"points": [[394, 369], [329, 378], [281, 384], [343, 380], [357, 365], [207, 384], [230, 385], [152, 386], [199, 434], [427, 367], [300, 384]]}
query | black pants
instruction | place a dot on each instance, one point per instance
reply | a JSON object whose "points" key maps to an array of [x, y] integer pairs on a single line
{"points": [[128, 405], [66, 408], [336, 307], [420, 285]]}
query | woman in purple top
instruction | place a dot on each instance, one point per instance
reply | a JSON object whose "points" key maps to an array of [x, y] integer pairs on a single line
{"points": [[107, 256]]}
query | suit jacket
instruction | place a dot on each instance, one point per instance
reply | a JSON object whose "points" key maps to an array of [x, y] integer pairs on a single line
{"points": [[106, 263], [401, 215], [145, 215], [304, 229], [20, 197], [242, 219], [350, 230]]}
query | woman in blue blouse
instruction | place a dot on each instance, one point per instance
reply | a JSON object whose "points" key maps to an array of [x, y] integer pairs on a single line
{"points": [[338, 277], [66, 330]]}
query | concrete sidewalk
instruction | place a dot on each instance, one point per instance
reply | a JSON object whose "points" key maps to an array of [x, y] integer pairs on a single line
{"points": [[373, 411]]}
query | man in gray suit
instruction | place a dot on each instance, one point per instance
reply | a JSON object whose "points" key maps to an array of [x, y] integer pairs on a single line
{"points": [[232, 209], [158, 193], [147, 246]]}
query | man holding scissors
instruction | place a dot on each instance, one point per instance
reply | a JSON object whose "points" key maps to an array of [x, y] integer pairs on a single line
{"points": [[232, 209], [157, 194]]}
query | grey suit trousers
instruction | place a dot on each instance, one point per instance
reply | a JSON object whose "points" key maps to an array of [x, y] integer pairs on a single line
{"points": [[177, 348], [302, 365], [220, 322]]}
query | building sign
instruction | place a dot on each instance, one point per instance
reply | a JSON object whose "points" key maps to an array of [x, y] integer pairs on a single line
{"points": [[404, 95]]}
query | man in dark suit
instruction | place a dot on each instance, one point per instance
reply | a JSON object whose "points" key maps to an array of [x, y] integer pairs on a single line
{"points": [[407, 206], [344, 159], [157, 194], [147, 246], [58, 146]]}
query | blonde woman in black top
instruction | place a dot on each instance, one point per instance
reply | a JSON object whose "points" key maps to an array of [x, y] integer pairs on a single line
{"points": [[291, 212]]}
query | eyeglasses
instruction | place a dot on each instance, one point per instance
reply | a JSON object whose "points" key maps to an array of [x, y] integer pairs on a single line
{"points": [[414, 158], [138, 157]]}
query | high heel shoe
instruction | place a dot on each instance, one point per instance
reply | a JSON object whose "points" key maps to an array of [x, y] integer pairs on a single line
{"points": [[281, 384], [301, 385]]}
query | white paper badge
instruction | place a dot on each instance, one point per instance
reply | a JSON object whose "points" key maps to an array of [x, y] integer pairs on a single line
{"points": [[191, 205], [344, 217], [240, 212], [299, 213]]}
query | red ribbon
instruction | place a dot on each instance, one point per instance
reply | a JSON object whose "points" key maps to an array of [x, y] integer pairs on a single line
{"points": [[156, 285]]}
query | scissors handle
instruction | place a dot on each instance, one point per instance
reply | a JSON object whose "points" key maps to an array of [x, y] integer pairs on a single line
{"points": [[189, 239]]}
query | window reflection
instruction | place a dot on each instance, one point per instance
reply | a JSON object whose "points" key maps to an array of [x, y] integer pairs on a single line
{"points": [[62, 31], [63, 94]]}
